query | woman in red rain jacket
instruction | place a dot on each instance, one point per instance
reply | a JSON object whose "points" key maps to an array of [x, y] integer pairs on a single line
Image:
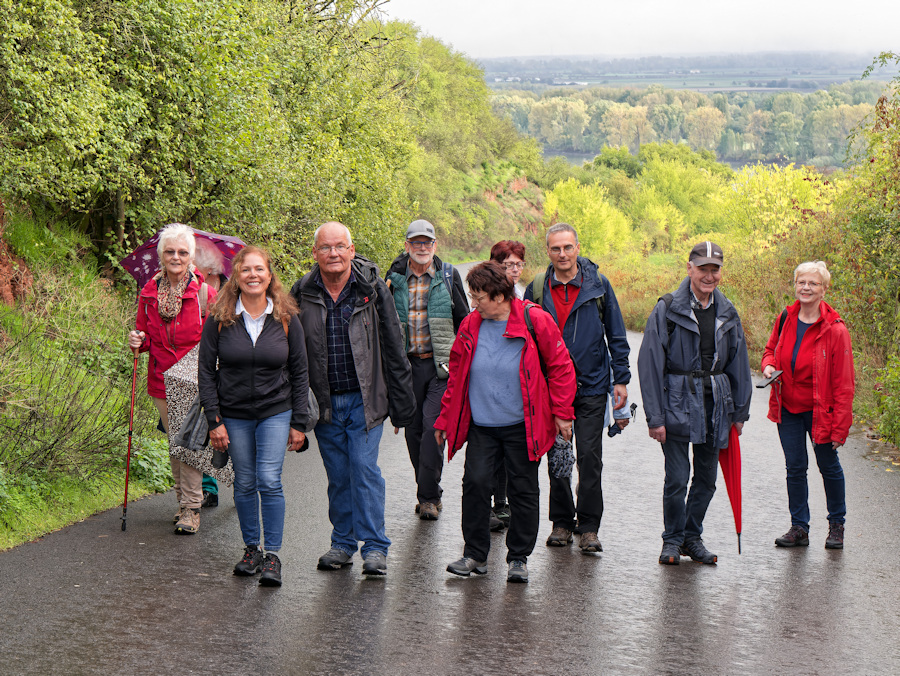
{"points": [[813, 397], [499, 400]]}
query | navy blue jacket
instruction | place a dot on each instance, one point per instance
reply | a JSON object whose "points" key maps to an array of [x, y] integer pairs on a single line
{"points": [[595, 342], [676, 400]]}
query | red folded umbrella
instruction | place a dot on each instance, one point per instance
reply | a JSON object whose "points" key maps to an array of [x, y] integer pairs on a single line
{"points": [[143, 262], [730, 461]]}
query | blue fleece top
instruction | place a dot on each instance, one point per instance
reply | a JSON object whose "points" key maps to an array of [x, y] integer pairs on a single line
{"points": [[495, 388]]}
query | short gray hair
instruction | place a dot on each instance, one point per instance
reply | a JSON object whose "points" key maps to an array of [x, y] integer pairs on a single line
{"points": [[346, 231], [560, 227], [818, 267], [208, 256], [172, 233]]}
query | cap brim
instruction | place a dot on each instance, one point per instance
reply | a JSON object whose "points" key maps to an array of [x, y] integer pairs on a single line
{"points": [[708, 261]]}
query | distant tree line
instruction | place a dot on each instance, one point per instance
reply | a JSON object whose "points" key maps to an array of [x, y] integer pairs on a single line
{"points": [[551, 67], [737, 126]]}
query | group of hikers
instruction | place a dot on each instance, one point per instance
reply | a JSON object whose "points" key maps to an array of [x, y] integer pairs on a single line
{"points": [[519, 375]]}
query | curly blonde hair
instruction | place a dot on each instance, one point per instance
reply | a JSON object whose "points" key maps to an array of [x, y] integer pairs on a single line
{"points": [[223, 309]]}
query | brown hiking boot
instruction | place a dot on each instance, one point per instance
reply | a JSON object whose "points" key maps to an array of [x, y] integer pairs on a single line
{"points": [[590, 543], [428, 511], [177, 517], [560, 537], [189, 523]]}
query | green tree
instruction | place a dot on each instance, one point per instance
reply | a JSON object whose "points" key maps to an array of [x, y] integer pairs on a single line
{"points": [[601, 227], [703, 127]]}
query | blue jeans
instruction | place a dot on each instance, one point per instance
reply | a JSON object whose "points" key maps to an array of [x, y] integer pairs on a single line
{"points": [[793, 430], [355, 485], [257, 450]]}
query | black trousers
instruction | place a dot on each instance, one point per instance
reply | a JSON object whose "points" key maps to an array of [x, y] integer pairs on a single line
{"points": [[426, 457], [487, 447], [590, 413]]}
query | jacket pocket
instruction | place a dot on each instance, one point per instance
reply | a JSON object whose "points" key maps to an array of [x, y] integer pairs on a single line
{"points": [[678, 413]]}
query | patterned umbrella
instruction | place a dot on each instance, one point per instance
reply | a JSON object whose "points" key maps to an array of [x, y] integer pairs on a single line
{"points": [[143, 262], [730, 462]]}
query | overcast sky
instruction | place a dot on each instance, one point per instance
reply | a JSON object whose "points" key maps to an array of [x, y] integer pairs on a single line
{"points": [[490, 28]]}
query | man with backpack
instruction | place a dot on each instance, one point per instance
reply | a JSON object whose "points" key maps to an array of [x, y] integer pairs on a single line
{"points": [[695, 384], [583, 303], [431, 302], [360, 376]]}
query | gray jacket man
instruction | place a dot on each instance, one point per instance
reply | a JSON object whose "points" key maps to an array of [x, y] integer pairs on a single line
{"points": [[695, 384], [431, 302], [360, 375]]}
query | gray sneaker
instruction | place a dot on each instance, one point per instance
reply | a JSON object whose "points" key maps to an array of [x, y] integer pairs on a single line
{"points": [[334, 559], [466, 566], [518, 572], [375, 563]]}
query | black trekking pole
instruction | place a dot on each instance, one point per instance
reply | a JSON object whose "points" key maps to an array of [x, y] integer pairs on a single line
{"points": [[130, 432]]}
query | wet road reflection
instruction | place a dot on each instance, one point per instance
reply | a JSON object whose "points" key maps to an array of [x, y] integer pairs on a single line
{"points": [[92, 599]]}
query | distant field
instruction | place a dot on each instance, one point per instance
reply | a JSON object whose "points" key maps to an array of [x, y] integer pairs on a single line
{"points": [[721, 81], [756, 73]]}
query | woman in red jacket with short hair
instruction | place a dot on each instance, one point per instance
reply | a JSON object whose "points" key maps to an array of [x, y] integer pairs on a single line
{"points": [[813, 397], [498, 400]]}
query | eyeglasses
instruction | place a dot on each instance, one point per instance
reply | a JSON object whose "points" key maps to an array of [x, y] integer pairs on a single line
{"points": [[419, 244], [567, 249], [181, 253], [811, 285], [515, 266], [477, 299], [325, 249]]}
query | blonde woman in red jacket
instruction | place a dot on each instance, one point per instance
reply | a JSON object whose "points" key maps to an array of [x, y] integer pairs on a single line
{"points": [[498, 400], [813, 397]]}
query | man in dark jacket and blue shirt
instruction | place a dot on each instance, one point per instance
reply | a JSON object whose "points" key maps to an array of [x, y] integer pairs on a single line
{"points": [[360, 375], [431, 302], [695, 384], [583, 303]]}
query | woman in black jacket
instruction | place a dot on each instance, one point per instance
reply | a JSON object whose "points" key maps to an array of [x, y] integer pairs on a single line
{"points": [[256, 401]]}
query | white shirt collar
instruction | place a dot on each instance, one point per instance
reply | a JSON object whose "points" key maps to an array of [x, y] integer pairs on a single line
{"points": [[239, 307]]}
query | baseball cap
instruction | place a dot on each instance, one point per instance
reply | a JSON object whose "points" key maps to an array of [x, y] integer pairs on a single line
{"points": [[420, 228], [705, 253]]}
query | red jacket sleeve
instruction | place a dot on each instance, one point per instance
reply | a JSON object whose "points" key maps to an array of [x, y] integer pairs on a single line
{"points": [[769, 351], [843, 383]]}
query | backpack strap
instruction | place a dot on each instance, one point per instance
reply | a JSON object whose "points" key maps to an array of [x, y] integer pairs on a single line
{"points": [[537, 288], [447, 274], [530, 327], [670, 326], [781, 320]]}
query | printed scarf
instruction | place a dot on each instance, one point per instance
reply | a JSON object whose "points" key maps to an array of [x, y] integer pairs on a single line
{"points": [[169, 297]]}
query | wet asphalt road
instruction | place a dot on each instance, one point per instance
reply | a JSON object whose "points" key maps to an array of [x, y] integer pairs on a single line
{"points": [[92, 599]]}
